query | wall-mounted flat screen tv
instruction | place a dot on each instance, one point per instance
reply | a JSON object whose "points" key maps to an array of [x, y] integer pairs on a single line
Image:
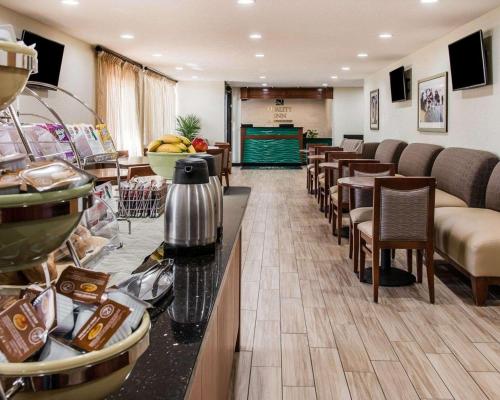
{"points": [[398, 84], [468, 64], [50, 55]]}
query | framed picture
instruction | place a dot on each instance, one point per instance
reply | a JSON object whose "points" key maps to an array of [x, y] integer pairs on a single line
{"points": [[433, 104], [374, 110]]}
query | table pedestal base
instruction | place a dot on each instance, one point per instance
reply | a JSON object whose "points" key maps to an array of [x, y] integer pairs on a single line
{"points": [[391, 277]]}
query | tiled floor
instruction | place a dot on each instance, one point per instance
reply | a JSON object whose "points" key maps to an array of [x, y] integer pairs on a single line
{"points": [[311, 331]]}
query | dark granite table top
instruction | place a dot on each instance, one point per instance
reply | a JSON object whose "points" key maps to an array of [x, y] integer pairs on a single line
{"points": [[179, 321]]}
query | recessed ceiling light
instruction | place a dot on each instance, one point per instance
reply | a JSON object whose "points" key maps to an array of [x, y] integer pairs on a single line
{"points": [[70, 2], [335, 77], [324, 84], [255, 36], [246, 2], [264, 84], [262, 77], [362, 55], [194, 77], [197, 69], [190, 64], [179, 68], [157, 55], [127, 36], [259, 55], [428, 1], [385, 35], [346, 68]]}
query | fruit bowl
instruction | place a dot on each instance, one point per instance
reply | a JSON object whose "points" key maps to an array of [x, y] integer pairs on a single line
{"points": [[91, 376], [163, 164], [16, 64], [35, 224]]}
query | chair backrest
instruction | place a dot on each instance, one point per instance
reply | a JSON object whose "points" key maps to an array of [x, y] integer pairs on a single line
{"points": [[338, 154], [226, 147], [223, 145], [493, 190], [219, 159], [355, 145], [403, 209], [318, 150], [369, 150], [140, 170], [364, 198], [464, 173], [343, 171], [417, 159], [389, 151]]}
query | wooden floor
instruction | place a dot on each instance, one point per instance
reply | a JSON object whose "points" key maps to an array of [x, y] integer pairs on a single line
{"points": [[310, 330]]}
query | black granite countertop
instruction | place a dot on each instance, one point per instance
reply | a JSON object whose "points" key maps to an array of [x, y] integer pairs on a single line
{"points": [[179, 321]]}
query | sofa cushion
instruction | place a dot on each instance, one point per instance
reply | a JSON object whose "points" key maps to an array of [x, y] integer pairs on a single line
{"points": [[470, 237], [444, 199], [493, 190], [417, 159], [361, 214], [366, 228], [389, 151], [464, 173], [369, 150]]}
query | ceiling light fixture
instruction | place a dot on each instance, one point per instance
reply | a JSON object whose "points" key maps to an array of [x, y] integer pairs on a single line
{"points": [[385, 35], [324, 84], [362, 55], [157, 55], [428, 1], [346, 68], [262, 77], [335, 77], [255, 36], [194, 77], [127, 36], [190, 64], [70, 2], [264, 84], [246, 2], [179, 68], [259, 55]]}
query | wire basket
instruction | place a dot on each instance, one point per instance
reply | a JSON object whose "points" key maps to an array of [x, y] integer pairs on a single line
{"points": [[142, 197]]}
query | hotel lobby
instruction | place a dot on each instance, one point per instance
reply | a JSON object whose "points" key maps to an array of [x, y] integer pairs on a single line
{"points": [[249, 200]]}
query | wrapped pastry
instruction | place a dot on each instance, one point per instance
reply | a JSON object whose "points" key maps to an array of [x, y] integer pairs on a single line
{"points": [[36, 274], [55, 350], [138, 307], [84, 314], [13, 278], [65, 315], [83, 232], [80, 245]]}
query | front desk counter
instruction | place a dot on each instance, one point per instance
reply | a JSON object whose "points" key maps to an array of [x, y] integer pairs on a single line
{"points": [[195, 330]]}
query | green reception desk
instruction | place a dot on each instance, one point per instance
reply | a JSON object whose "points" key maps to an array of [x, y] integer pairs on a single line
{"points": [[271, 146]]}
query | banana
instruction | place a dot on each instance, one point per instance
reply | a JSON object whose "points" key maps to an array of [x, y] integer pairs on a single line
{"points": [[191, 149], [169, 148], [154, 145], [185, 140], [171, 139], [182, 146]]}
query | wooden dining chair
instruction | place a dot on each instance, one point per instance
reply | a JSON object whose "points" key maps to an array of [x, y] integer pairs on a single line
{"points": [[226, 160], [361, 202], [315, 172], [310, 168], [219, 156], [340, 198], [403, 218]]}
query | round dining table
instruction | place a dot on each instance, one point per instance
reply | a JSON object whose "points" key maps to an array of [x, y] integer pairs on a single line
{"points": [[389, 275]]}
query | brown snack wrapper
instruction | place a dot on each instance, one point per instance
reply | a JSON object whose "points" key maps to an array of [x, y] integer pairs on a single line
{"points": [[6, 300], [45, 307], [21, 332], [101, 326], [82, 285]]}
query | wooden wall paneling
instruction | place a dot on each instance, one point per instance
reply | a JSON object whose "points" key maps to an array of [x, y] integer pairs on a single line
{"points": [[287, 93]]}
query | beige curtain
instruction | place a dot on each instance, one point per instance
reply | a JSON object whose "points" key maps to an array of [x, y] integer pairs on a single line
{"points": [[159, 106]]}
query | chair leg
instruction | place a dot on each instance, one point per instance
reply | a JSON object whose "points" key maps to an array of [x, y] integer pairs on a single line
{"points": [[339, 225], [325, 202], [419, 265], [350, 241], [479, 290], [355, 245], [362, 259], [429, 264], [330, 210], [334, 220], [375, 272], [227, 178], [409, 260]]}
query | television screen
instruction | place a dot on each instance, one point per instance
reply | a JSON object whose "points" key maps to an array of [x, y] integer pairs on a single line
{"points": [[50, 55], [468, 62], [398, 84]]}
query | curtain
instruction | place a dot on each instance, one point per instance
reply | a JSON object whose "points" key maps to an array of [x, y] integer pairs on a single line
{"points": [[159, 106], [138, 106]]}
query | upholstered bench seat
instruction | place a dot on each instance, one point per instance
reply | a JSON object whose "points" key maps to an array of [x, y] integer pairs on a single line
{"points": [[361, 214], [334, 189], [321, 179], [470, 237], [445, 199]]}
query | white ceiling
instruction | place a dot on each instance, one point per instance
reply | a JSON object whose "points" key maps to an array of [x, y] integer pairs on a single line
{"points": [[304, 41]]}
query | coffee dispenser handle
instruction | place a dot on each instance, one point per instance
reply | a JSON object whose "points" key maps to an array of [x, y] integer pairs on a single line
{"points": [[188, 169]]}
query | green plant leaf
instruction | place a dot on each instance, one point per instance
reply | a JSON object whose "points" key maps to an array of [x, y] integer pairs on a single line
{"points": [[189, 125]]}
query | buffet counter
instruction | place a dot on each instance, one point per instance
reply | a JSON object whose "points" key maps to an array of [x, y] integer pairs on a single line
{"points": [[195, 329]]}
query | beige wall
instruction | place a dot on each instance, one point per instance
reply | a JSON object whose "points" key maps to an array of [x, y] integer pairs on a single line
{"points": [[309, 114], [77, 71]]}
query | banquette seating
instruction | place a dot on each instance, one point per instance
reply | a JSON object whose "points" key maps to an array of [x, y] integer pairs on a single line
{"points": [[389, 151]]}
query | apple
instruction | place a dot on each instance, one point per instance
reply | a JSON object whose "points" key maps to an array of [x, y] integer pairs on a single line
{"points": [[200, 145]]}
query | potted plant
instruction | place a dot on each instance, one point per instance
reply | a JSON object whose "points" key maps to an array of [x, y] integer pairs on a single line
{"points": [[311, 133], [188, 126]]}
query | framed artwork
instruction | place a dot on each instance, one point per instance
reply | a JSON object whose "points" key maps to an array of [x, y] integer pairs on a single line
{"points": [[433, 103], [374, 110]]}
